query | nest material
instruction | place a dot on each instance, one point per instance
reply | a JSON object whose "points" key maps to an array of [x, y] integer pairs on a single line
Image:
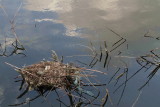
{"points": [[49, 74]]}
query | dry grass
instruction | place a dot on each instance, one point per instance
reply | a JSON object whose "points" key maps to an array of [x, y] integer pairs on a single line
{"points": [[51, 74], [47, 76]]}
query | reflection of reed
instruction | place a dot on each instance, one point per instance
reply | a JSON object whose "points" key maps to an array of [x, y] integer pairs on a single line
{"points": [[104, 56], [146, 62], [148, 35], [152, 59], [16, 44], [9, 48], [120, 42], [106, 52]]}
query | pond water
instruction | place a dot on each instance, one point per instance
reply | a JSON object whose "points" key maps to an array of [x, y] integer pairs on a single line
{"points": [[68, 27]]}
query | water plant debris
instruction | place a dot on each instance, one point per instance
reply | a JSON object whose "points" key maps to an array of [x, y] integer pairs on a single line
{"points": [[47, 76]]}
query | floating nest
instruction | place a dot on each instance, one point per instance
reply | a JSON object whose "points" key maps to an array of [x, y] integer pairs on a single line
{"points": [[51, 75], [48, 76]]}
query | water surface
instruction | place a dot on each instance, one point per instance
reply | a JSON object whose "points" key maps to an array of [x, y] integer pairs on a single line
{"points": [[66, 25]]}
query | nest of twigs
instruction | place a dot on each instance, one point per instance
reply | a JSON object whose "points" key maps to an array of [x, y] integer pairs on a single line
{"points": [[51, 75], [47, 75]]}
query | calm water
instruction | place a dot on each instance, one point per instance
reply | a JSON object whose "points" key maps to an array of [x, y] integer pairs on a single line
{"points": [[65, 25]]}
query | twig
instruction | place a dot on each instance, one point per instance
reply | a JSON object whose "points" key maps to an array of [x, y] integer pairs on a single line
{"points": [[16, 68], [105, 99], [135, 102], [114, 75], [124, 86], [130, 78]]}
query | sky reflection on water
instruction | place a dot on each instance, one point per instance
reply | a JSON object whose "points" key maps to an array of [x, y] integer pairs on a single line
{"points": [[62, 25]]}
